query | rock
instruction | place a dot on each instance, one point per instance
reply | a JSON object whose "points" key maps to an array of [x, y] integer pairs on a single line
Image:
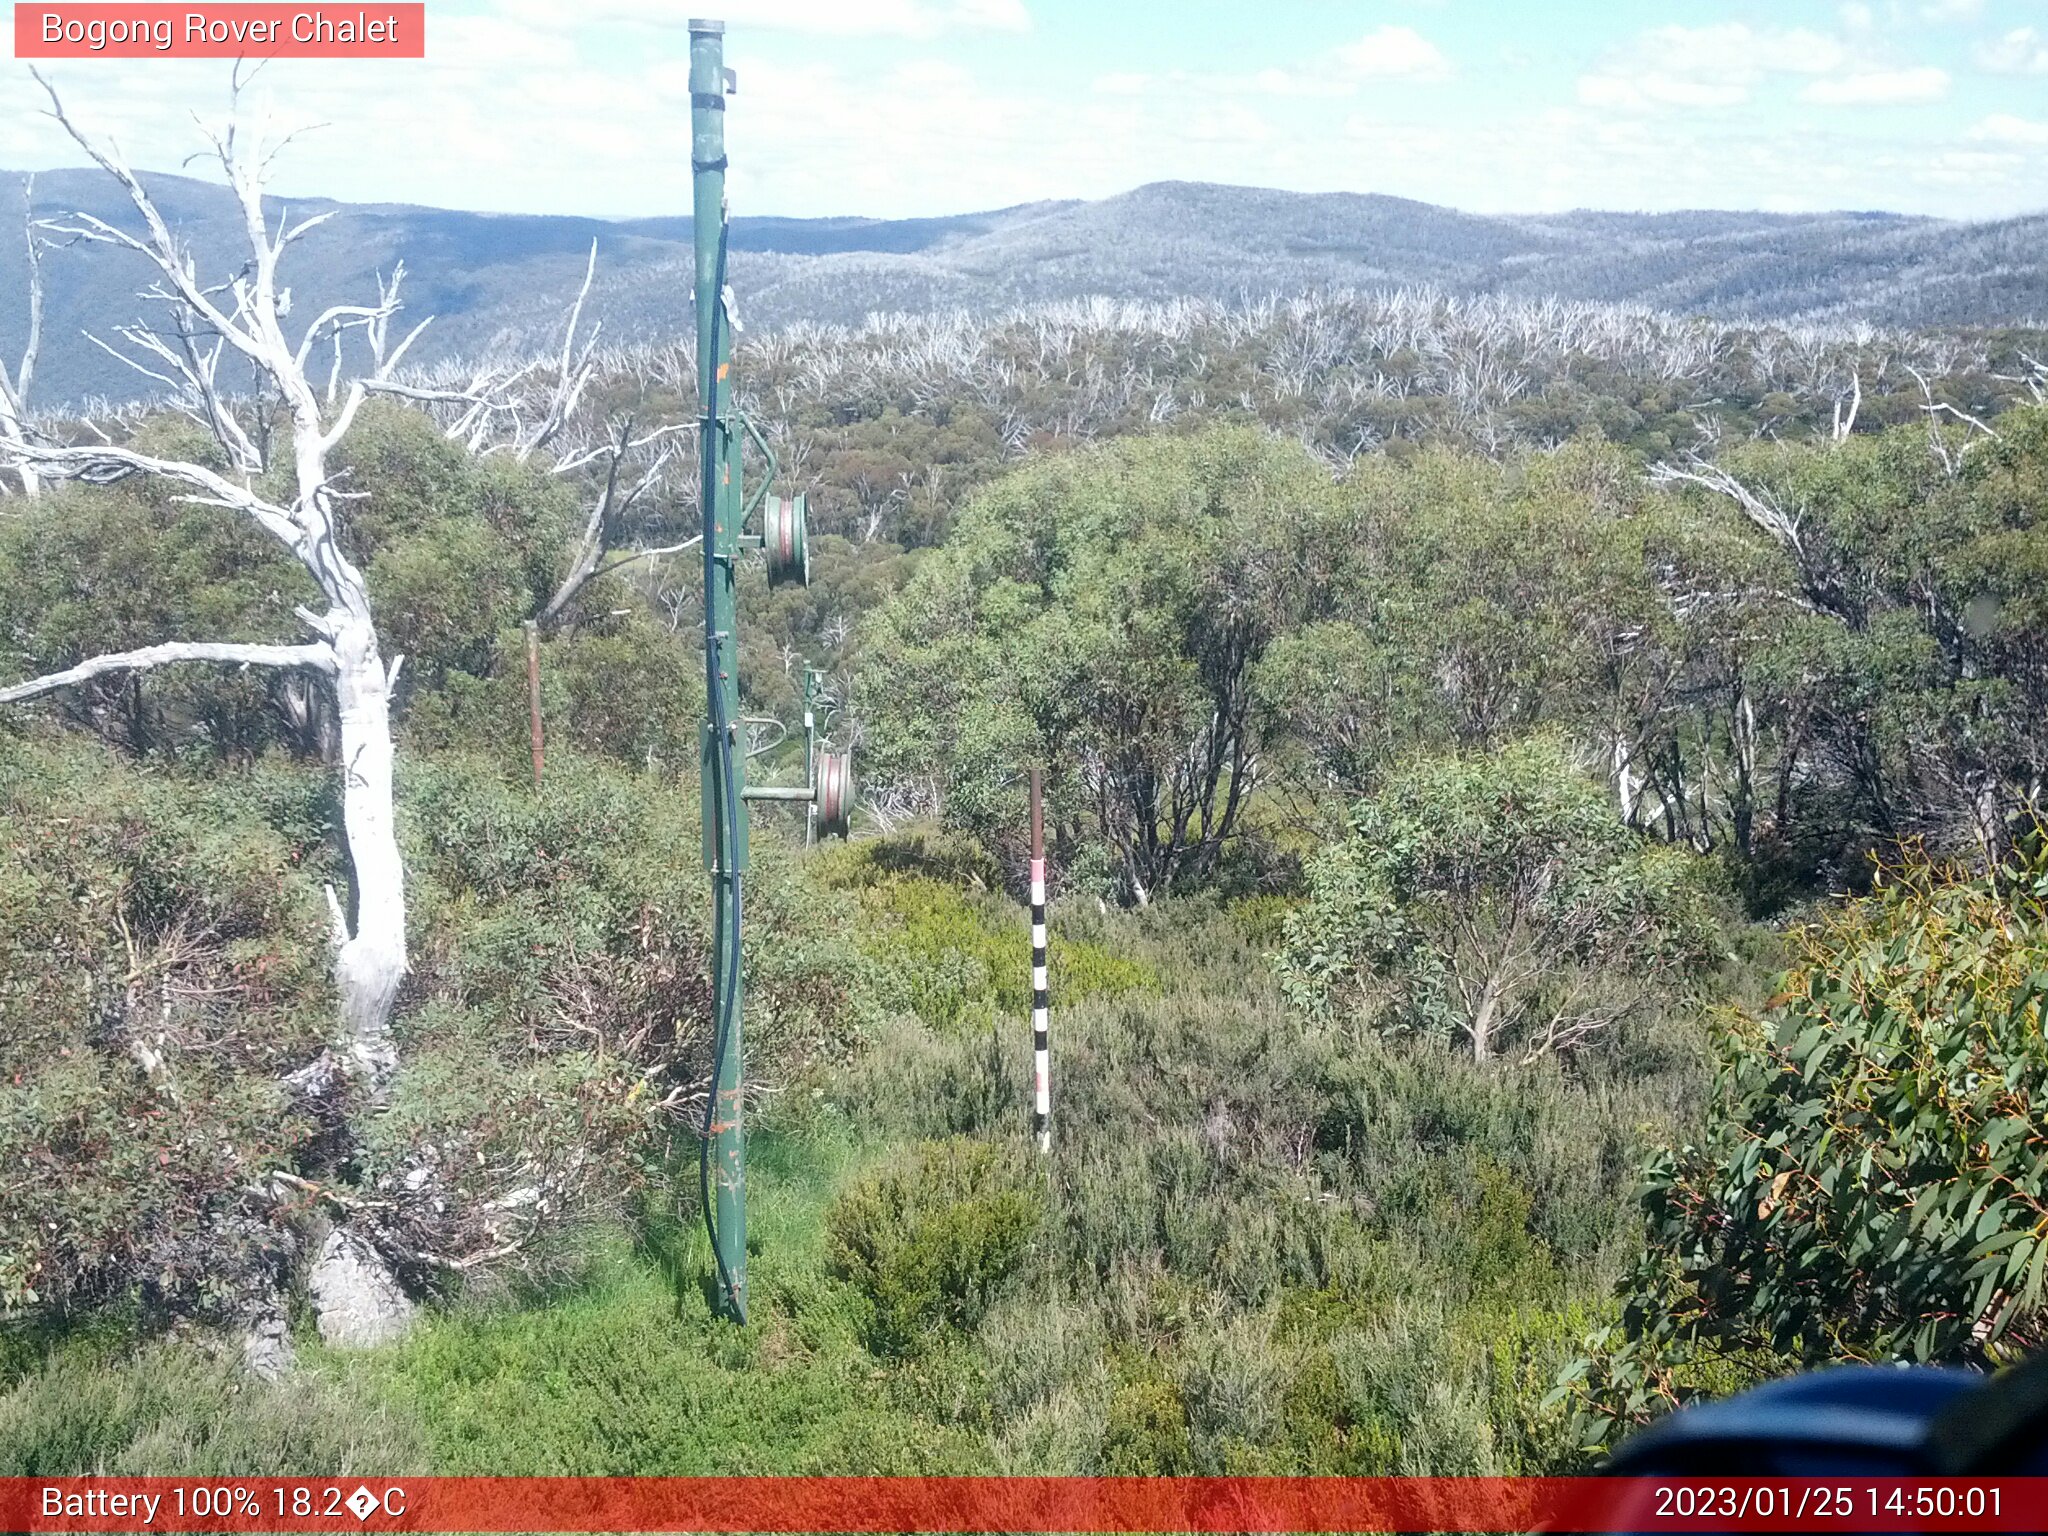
{"points": [[357, 1301], [267, 1348]]}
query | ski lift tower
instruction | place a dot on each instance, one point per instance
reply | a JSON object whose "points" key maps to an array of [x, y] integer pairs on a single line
{"points": [[828, 787]]}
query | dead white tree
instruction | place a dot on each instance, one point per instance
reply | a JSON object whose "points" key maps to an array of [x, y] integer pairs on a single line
{"points": [[1759, 505], [633, 466], [244, 315], [1845, 420], [523, 408], [573, 371], [503, 407], [14, 387], [1821, 587], [1937, 444]]}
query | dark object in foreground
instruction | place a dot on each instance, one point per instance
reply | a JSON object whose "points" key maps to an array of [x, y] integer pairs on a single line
{"points": [[1866, 1420]]}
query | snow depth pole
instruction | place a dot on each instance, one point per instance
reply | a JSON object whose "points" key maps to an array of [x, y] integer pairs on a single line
{"points": [[722, 1169], [1041, 1043]]}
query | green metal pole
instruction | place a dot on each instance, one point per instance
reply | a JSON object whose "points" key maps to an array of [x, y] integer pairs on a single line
{"points": [[724, 757], [811, 751]]}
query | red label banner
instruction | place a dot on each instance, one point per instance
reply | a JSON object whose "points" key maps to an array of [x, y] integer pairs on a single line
{"points": [[1022, 1504], [217, 31]]}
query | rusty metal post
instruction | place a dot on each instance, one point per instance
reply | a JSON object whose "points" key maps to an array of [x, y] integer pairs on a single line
{"points": [[533, 695]]}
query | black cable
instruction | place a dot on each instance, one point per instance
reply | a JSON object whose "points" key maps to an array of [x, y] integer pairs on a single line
{"points": [[727, 843]]}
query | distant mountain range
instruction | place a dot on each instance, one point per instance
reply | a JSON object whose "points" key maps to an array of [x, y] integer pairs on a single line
{"points": [[501, 281]]}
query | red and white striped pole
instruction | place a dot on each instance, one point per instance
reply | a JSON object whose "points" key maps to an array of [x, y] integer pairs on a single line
{"points": [[1041, 1044]]}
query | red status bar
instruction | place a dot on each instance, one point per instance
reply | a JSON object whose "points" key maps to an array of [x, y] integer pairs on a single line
{"points": [[1022, 1504]]}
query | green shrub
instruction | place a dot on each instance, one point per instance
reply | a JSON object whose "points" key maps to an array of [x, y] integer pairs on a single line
{"points": [[162, 965], [1870, 1184], [931, 1239], [1233, 1378], [1494, 899], [1146, 1434], [961, 962], [423, 486], [454, 550], [444, 594], [557, 1016], [622, 689], [1262, 919], [1036, 1348], [88, 570]]}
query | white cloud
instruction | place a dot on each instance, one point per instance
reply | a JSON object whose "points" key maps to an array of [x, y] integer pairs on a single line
{"points": [[1295, 82], [2022, 51], [1952, 10], [1879, 87], [485, 42], [997, 15], [542, 110], [1658, 90], [1393, 51], [1711, 66], [1230, 123], [1736, 49], [1975, 168], [2004, 128], [831, 18]]}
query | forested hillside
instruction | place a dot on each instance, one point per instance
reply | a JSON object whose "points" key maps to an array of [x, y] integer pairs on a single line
{"points": [[496, 282], [1539, 797]]}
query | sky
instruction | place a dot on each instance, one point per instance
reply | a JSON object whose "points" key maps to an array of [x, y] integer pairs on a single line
{"points": [[897, 108]]}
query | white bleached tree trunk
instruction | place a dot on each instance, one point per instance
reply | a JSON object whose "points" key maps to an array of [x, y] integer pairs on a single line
{"points": [[245, 316], [14, 387]]}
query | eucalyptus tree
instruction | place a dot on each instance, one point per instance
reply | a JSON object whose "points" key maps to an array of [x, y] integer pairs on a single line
{"points": [[1905, 671], [1103, 613], [1866, 1185], [1493, 899]]}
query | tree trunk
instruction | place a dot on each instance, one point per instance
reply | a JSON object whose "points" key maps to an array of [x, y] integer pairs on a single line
{"points": [[11, 431], [1744, 732], [371, 961], [1483, 1018], [353, 1289], [1987, 808], [1625, 780]]}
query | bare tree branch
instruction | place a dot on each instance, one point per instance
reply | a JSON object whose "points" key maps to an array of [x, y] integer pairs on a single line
{"points": [[573, 372], [651, 554], [1760, 506], [161, 247], [603, 529], [1845, 422], [106, 464], [1937, 445], [319, 657]]}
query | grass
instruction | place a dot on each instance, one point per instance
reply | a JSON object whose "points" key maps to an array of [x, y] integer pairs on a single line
{"points": [[630, 1373], [1265, 1247], [182, 1407]]}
